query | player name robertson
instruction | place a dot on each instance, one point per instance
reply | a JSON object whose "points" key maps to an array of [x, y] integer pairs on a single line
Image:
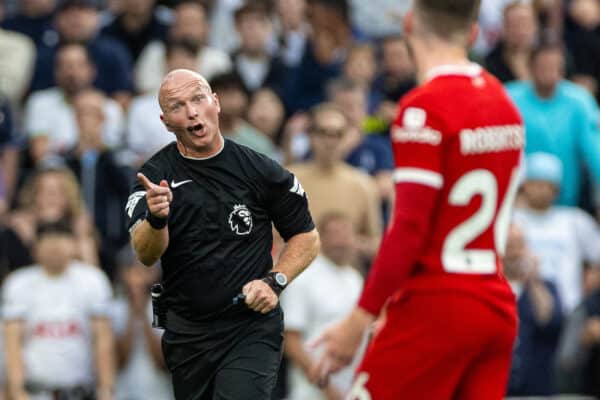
{"points": [[492, 139]]}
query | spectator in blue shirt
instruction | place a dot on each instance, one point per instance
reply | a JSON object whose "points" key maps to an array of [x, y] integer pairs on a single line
{"points": [[137, 24], [561, 118], [34, 19], [77, 21], [540, 319]]}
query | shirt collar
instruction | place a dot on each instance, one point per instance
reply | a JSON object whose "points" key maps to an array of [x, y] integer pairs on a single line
{"points": [[470, 70]]}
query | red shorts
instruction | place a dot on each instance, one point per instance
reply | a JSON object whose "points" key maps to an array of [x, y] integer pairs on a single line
{"points": [[438, 346]]}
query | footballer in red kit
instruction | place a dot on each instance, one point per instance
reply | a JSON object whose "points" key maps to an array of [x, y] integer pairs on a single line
{"points": [[450, 315]]}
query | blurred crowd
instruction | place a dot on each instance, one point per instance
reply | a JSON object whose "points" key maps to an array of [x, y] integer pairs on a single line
{"points": [[314, 84]]}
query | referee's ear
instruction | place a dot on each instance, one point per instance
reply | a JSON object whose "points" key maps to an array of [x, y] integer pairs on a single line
{"points": [[165, 123]]}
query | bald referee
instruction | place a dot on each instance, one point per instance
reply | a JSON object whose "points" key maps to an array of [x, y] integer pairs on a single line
{"points": [[205, 206]]}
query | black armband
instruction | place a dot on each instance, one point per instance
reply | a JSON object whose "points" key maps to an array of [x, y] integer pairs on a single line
{"points": [[156, 222]]}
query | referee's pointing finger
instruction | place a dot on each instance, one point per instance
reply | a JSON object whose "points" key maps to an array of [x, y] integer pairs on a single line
{"points": [[144, 181]]}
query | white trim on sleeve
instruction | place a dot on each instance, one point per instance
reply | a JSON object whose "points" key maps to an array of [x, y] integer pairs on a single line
{"points": [[418, 175]]}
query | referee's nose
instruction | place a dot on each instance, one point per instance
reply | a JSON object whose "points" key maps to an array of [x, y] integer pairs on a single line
{"points": [[192, 113]]}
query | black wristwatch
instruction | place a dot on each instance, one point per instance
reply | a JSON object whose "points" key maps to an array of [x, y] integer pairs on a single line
{"points": [[277, 281], [156, 222]]}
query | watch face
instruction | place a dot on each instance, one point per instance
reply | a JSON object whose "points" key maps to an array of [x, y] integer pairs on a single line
{"points": [[281, 279]]}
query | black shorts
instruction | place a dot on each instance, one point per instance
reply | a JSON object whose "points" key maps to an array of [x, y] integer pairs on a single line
{"points": [[234, 358]]}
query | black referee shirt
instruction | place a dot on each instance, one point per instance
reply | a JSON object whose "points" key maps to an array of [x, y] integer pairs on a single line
{"points": [[220, 223]]}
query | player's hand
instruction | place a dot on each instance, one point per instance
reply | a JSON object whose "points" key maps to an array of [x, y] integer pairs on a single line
{"points": [[259, 296], [158, 197], [339, 343]]}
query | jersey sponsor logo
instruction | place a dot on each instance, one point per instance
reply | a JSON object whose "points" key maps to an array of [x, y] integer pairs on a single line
{"points": [[359, 390], [492, 139], [57, 329], [297, 187], [414, 118], [133, 200], [424, 135], [240, 220], [177, 184]]}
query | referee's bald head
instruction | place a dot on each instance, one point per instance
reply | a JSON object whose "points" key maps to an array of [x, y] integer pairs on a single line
{"points": [[177, 79]]}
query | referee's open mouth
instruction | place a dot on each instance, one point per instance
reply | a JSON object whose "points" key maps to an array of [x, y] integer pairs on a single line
{"points": [[196, 128]]}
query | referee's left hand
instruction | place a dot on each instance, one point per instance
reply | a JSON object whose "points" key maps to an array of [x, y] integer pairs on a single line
{"points": [[259, 296]]}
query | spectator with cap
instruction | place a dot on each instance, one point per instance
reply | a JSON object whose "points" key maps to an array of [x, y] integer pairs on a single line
{"points": [[560, 118], [563, 238], [137, 24], [540, 318], [77, 21], [49, 118], [141, 370], [34, 19], [190, 24], [57, 334]]}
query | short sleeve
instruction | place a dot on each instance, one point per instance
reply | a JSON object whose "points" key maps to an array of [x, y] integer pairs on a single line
{"points": [[15, 297], [588, 235], [136, 205], [417, 143], [99, 294], [287, 202]]}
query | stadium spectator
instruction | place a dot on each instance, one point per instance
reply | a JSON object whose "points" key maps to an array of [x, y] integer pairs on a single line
{"points": [[233, 99], [540, 318], [57, 334], [292, 30], [378, 18], [510, 58], [8, 154], [34, 19], [579, 351], [104, 176], [51, 194], [190, 24], [332, 185], [141, 370], [583, 40], [17, 63], [266, 113], [396, 78], [77, 21], [146, 134], [361, 67], [491, 17], [560, 118], [49, 118], [324, 54], [137, 24], [563, 238], [370, 153], [252, 60], [331, 276]]}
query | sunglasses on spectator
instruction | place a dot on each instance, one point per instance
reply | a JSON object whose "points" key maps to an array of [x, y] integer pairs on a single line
{"points": [[332, 133]]}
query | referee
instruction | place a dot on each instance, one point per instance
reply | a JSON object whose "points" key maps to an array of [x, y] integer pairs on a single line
{"points": [[205, 206]]}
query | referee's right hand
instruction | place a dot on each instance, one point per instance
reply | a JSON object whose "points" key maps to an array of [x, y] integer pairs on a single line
{"points": [[158, 197]]}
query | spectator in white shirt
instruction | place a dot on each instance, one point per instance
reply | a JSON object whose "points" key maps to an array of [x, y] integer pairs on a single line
{"points": [[325, 292], [562, 238], [190, 24], [57, 335], [49, 117]]}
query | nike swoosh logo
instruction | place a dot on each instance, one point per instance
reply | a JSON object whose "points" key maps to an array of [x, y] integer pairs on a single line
{"points": [[177, 184]]}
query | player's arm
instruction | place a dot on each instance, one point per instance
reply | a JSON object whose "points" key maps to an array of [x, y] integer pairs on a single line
{"points": [[103, 343], [149, 232], [13, 350]]}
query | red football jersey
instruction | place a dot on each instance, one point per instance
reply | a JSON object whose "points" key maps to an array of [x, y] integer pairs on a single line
{"points": [[461, 136]]}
